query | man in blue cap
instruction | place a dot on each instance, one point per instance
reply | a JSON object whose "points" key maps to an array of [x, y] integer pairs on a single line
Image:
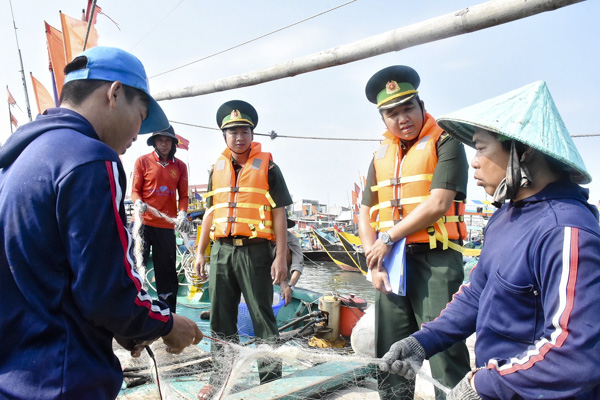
{"points": [[161, 181], [66, 271], [416, 187], [534, 296], [246, 202]]}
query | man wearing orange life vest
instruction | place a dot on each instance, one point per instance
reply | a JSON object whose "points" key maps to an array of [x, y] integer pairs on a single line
{"points": [[246, 202], [415, 189]]}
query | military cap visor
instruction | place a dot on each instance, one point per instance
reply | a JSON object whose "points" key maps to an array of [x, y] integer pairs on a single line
{"points": [[236, 113], [392, 86]]}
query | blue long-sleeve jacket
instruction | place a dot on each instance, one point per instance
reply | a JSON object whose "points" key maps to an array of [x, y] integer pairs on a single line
{"points": [[533, 300], [67, 285]]}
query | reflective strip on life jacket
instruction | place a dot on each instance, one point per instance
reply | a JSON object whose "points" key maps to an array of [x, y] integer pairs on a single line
{"points": [[404, 181]]}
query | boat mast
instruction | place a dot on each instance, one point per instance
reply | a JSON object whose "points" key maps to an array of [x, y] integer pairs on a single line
{"points": [[470, 19], [21, 61], [89, 25]]}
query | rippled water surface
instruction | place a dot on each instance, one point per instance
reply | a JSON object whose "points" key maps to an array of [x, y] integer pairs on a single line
{"points": [[327, 277]]}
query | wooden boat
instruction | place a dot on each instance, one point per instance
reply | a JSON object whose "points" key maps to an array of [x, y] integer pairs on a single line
{"points": [[347, 259], [352, 245]]}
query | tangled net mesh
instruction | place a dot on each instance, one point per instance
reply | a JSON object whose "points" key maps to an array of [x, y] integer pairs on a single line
{"points": [[233, 369]]}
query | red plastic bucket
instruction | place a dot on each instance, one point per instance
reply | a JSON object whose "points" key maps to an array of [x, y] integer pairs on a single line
{"points": [[351, 310]]}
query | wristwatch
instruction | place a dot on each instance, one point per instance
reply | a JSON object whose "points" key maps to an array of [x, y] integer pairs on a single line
{"points": [[386, 239]]}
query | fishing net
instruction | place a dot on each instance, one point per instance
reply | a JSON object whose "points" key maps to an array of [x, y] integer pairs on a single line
{"points": [[308, 370]]}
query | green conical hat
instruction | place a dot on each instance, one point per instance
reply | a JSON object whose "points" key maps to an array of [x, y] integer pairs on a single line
{"points": [[527, 115]]}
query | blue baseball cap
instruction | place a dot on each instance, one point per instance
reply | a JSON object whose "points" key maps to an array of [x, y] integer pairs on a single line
{"points": [[112, 64]]}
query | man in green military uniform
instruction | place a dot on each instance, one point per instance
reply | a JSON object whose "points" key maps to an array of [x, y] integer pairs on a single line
{"points": [[246, 202], [415, 189]]}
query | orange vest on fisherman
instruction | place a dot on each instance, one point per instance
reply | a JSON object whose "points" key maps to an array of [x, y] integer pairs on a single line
{"points": [[404, 181], [242, 206]]}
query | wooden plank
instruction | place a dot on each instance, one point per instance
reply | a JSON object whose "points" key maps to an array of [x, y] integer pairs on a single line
{"points": [[313, 381]]}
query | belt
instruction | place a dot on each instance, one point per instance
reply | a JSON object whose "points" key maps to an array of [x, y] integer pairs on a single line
{"points": [[241, 241], [417, 248]]}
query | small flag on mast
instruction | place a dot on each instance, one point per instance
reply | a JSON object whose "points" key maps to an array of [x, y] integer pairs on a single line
{"points": [[11, 99]]}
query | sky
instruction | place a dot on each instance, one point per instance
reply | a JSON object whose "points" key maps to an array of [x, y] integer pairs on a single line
{"points": [[560, 47]]}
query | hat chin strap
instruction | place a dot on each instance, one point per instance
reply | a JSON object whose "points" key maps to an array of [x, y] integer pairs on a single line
{"points": [[517, 176]]}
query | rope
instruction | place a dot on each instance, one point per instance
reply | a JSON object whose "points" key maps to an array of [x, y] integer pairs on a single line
{"points": [[188, 259], [273, 135], [248, 41]]}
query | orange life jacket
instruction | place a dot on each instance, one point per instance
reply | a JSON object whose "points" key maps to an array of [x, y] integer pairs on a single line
{"points": [[404, 181], [242, 206]]}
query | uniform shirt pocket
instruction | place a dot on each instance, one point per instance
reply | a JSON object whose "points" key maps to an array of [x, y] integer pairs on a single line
{"points": [[515, 310]]}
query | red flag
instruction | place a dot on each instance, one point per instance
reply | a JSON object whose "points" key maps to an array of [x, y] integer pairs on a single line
{"points": [[314, 210], [56, 54], [74, 32], [11, 99], [304, 210], [42, 96], [13, 120], [356, 189], [182, 142], [354, 198], [97, 11]]}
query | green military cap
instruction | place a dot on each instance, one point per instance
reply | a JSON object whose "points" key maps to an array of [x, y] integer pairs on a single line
{"points": [[236, 113], [392, 86]]}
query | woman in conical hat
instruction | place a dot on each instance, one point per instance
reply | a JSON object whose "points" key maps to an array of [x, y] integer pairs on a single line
{"points": [[534, 297]]}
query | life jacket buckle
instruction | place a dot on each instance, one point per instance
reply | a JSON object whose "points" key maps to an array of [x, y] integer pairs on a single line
{"points": [[231, 204], [230, 219], [396, 181], [235, 189], [396, 202]]}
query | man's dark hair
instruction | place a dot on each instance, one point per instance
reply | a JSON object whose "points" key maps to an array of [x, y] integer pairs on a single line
{"points": [[75, 92]]}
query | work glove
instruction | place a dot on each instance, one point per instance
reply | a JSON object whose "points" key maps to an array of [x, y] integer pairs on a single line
{"points": [[140, 205], [463, 391], [404, 358], [183, 224]]}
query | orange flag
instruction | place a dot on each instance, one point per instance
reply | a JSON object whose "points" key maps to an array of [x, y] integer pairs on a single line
{"points": [[11, 99], [74, 31], [13, 120], [56, 54], [42, 96]]}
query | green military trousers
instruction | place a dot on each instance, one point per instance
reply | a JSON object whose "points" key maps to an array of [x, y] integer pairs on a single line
{"points": [[432, 277], [236, 270]]}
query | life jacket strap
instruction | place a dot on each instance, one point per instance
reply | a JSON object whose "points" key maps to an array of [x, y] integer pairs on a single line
{"points": [[401, 180]]}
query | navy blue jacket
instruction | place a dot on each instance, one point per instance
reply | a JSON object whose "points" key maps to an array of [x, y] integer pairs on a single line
{"points": [[533, 300], [66, 279]]}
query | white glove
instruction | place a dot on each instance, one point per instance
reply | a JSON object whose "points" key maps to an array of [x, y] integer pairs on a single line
{"points": [[183, 224], [140, 205]]}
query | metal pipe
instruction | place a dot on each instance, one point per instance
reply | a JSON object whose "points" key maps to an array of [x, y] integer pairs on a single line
{"points": [[470, 19]]}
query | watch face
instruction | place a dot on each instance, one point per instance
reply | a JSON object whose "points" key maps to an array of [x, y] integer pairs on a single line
{"points": [[385, 238]]}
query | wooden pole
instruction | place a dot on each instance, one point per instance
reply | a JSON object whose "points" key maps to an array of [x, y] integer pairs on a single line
{"points": [[470, 19]]}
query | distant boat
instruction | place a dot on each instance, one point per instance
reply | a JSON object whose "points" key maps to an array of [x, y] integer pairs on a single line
{"points": [[347, 258]]}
